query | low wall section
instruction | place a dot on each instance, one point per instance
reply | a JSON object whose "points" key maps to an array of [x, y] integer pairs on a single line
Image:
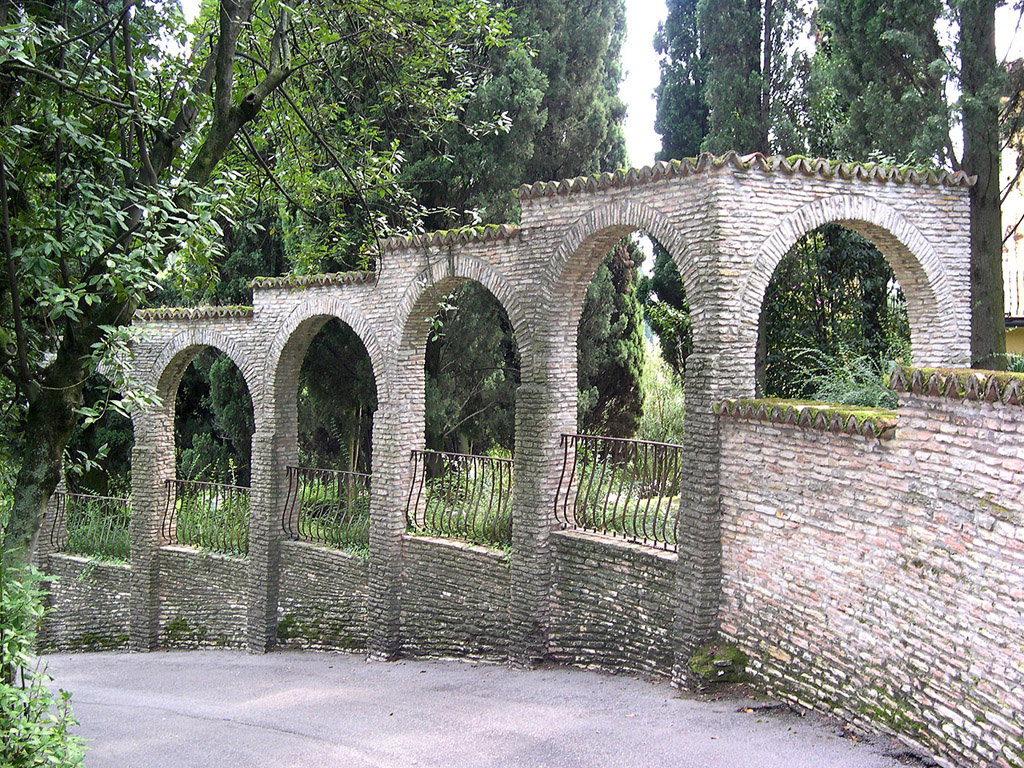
{"points": [[321, 602], [883, 579], [613, 604], [454, 599], [88, 606], [202, 599]]}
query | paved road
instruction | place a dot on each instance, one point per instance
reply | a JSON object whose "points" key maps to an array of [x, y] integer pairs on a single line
{"points": [[227, 709]]}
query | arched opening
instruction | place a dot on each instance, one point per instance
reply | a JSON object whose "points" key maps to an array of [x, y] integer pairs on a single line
{"points": [[462, 480], [833, 322], [332, 403], [936, 292], [623, 466], [214, 422]]}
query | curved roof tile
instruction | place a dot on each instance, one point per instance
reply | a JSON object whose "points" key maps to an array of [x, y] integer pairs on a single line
{"points": [[797, 165]]}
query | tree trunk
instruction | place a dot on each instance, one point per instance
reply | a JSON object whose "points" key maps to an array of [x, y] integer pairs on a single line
{"points": [[980, 83], [49, 422]]}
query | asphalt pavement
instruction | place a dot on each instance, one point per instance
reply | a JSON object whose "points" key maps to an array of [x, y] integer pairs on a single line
{"points": [[229, 709]]}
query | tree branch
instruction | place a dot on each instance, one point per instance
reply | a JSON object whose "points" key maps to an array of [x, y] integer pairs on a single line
{"points": [[19, 67], [12, 280], [149, 177], [269, 174]]}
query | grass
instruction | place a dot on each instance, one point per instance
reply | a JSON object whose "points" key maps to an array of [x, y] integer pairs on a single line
{"points": [[97, 527], [215, 519]]}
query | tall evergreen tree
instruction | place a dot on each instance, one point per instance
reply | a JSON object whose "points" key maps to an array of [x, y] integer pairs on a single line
{"points": [[682, 115], [981, 82], [730, 32], [890, 70], [610, 347], [896, 90], [747, 49]]}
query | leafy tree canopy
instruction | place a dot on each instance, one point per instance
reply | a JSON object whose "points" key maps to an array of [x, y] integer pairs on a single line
{"points": [[128, 137]]}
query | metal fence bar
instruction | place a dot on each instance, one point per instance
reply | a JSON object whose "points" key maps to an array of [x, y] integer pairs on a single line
{"points": [[328, 506], [95, 526], [461, 496], [210, 516], [625, 488]]}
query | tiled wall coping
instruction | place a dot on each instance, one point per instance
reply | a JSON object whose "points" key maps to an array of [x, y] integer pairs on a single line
{"points": [[866, 422]]}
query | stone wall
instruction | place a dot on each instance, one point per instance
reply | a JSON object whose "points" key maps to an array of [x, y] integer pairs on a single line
{"points": [[884, 579], [88, 607], [202, 599], [726, 221], [614, 604], [454, 599], [322, 598]]}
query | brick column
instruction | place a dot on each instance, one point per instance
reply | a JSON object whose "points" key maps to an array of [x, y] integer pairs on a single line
{"points": [[266, 502], [389, 488], [699, 540], [152, 464], [545, 409], [398, 428]]}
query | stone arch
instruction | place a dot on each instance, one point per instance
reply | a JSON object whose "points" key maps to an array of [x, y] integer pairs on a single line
{"points": [[297, 330], [592, 236], [177, 353], [287, 351], [440, 277], [938, 335]]}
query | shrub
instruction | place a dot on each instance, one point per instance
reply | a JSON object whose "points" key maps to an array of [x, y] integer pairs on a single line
{"points": [[664, 407], [847, 379], [34, 721], [1015, 362]]}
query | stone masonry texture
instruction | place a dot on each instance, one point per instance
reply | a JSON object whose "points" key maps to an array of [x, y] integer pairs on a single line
{"points": [[614, 604], [877, 574], [322, 598], [455, 600], [883, 580], [89, 605], [202, 599]]}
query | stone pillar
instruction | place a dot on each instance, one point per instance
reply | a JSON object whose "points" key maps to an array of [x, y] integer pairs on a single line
{"points": [[398, 428], [152, 465], [545, 409], [266, 502], [699, 542]]}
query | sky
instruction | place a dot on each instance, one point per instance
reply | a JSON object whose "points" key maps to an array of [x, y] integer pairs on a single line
{"points": [[641, 65]]}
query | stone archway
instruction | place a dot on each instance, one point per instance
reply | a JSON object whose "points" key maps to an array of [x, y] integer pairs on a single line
{"points": [[937, 320]]}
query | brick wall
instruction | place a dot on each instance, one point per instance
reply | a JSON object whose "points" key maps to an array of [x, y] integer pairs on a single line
{"points": [[884, 579], [726, 222], [454, 599], [202, 599], [88, 607], [614, 604], [321, 598]]}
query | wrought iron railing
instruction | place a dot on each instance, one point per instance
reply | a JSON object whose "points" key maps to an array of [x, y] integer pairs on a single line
{"points": [[328, 506], [96, 526], [210, 516], [626, 488], [461, 496]]}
